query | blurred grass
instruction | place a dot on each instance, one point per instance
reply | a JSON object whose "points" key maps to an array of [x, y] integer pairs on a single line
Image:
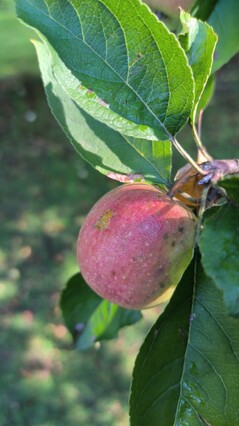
{"points": [[45, 192], [17, 53]]}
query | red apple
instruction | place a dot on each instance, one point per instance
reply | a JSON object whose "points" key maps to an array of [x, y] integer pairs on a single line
{"points": [[135, 244]]}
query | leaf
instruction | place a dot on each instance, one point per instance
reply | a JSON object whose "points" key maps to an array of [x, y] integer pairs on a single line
{"points": [[91, 103], [222, 15], [124, 54], [224, 20], [231, 185], [206, 95], [219, 245], [105, 149], [199, 41], [88, 317], [187, 370]]}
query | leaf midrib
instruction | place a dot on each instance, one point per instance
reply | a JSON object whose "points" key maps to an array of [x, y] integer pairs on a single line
{"points": [[180, 396], [147, 159]]}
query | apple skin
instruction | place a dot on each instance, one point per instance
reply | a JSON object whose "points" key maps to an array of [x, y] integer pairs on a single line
{"points": [[170, 7], [135, 244]]}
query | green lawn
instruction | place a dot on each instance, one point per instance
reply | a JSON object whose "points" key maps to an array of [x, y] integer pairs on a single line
{"points": [[17, 53], [45, 192]]}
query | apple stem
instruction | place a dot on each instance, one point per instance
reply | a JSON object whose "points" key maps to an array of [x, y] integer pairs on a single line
{"points": [[202, 152], [186, 156], [200, 115]]}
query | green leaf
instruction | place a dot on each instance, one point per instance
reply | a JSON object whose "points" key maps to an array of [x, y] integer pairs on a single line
{"points": [[224, 20], [206, 95], [88, 317], [222, 15], [231, 185], [91, 103], [123, 53], [106, 150], [219, 245], [199, 41], [187, 370]]}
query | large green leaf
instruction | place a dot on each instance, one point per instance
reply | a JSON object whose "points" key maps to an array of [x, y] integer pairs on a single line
{"points": [[122, 52], [91, 103], [219, 245], [199, 41], [187, 370], [88, 317], [105, 149], [224, 20]]}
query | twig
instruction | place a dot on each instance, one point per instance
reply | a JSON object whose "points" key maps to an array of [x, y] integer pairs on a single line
{"points": [[186, 156]]}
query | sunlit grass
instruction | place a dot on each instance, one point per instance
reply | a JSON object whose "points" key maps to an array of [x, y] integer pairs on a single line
{"points": [[7, 291]]}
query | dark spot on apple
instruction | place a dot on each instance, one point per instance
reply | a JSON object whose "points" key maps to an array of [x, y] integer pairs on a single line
{"points": [[165, 237], [173, 243], [181, 229]]}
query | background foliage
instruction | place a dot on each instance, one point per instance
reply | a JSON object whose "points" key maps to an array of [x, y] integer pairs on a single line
{"points": [[42, 381]]}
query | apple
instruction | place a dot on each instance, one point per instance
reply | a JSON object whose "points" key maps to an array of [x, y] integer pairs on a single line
{"points": [[170, 7], [135, 244]]}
